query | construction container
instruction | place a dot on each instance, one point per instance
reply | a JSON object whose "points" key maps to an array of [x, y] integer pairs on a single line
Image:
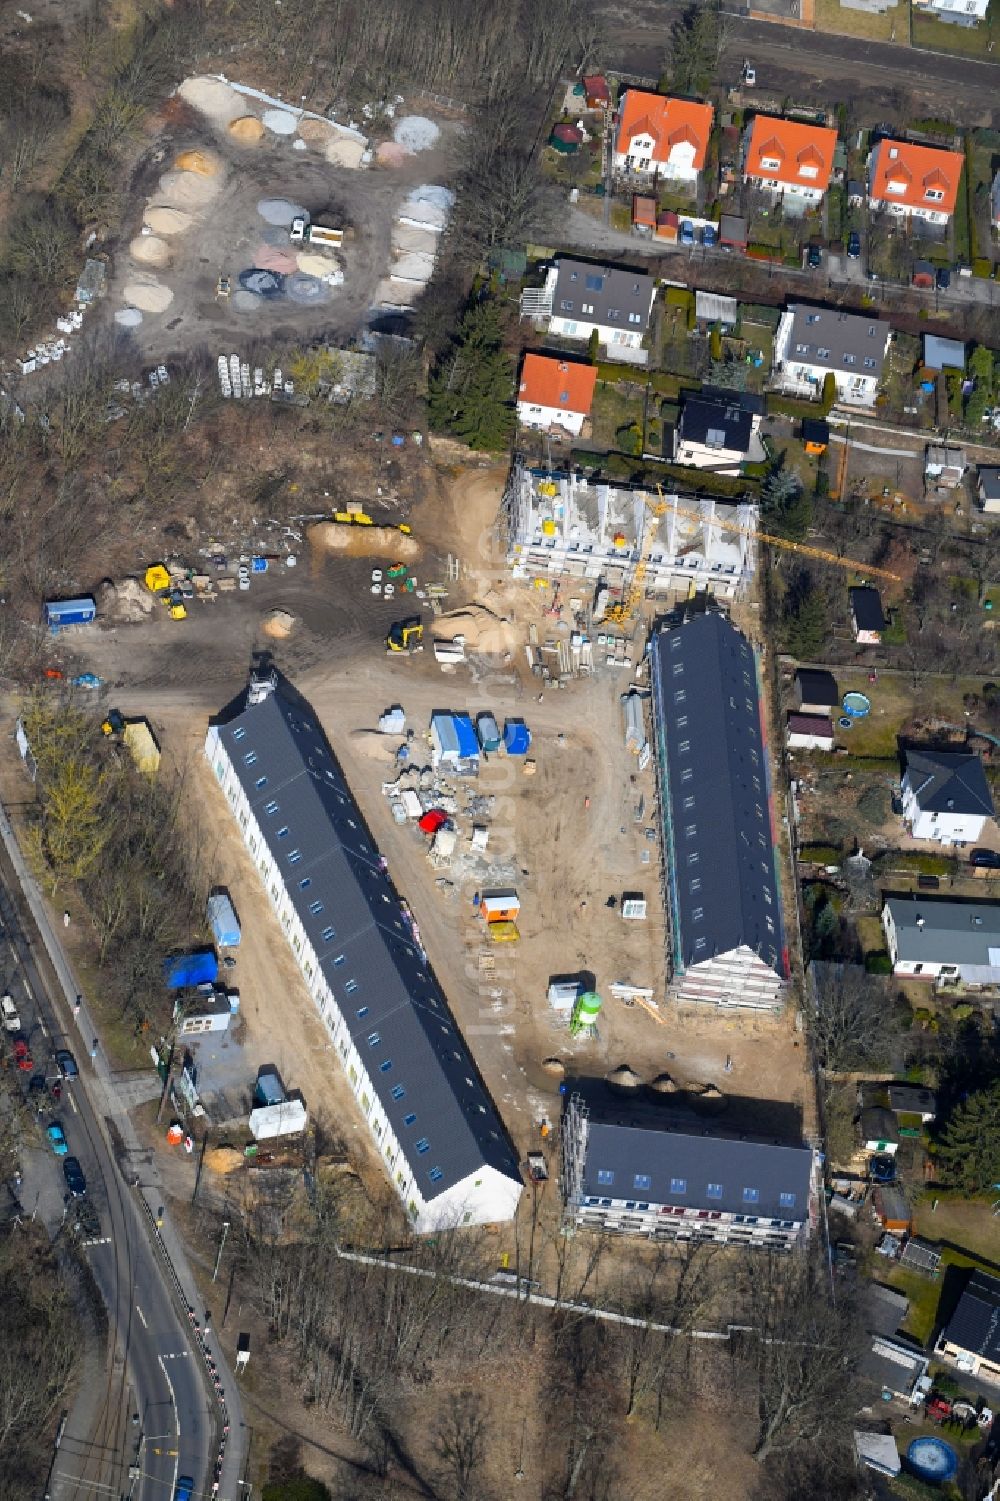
{"points": [[563, 995], [223, 921], [500, 905], [488, 732], [516, 737], [60, 613]]}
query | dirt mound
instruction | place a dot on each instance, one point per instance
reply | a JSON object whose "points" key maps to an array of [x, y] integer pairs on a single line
{"points": [[483, 630], [150, 251], [212, 97], [391, 154], [128, 601], [223, 1159], [281, 121], [197, 161], [362, 541], [248, 130], [145, 292], [278, 624], [269, 258], [316, 132], [316, 265], [623, 1078], [168, 221], [345, 151], [188, 189]]}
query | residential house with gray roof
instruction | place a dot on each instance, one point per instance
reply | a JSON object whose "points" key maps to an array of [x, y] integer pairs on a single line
{"points": [[813, 342], [441, 1141], [615, 301], [946, 796], [629, 1165], [727, 943], [943, 939]]}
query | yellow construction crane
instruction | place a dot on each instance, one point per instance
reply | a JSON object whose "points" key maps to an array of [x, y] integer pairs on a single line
{"points": [[633, 596]]}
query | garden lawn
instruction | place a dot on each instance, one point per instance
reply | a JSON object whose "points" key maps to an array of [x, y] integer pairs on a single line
{"points": [[968, 1223], [832, 16], [611, 410], [973, 41]]}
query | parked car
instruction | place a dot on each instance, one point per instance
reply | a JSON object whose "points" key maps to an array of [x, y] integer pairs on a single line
{"points": [[244, 576], [709, 235], [66, 1064], [854, 246], [184, 1489], [75, 1180], [988, 859], [11, 1019], [57, 1139], [814, 257], [943, 278], [687, 232], [749, 75]]}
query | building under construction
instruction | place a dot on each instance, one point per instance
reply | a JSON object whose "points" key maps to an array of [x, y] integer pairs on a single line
{"points": [[565, 526]]}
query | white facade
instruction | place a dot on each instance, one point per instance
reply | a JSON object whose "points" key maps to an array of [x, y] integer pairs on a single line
{"points": [[706, 456], [809, 740], [945, 828], [956, 12], [637, 159], [544, 418], [621, 341], [738, 980], [486, 1196]]}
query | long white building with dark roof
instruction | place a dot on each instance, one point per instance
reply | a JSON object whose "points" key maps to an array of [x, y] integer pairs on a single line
{"points": [[727, 943], [441, 1140]]}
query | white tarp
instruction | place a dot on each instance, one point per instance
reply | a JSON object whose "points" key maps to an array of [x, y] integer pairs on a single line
{"points": [[287, 1119]]}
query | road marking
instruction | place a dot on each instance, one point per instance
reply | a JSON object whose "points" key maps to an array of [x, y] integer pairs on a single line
{"points": [[72, 1102], [142, 1317], [177, 1421]]}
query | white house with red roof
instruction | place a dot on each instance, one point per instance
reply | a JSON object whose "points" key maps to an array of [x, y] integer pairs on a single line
{"points": [[911, 181], [555, 393], [789, 158], [662, 137]]}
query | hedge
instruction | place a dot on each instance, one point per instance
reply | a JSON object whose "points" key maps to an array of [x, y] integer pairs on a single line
{"points": [[710, 484], [982, 266], [878, 963]]}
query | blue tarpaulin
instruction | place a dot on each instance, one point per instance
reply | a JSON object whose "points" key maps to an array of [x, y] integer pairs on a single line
{"points": [[468, 740], [516, 737], [455, 737]]}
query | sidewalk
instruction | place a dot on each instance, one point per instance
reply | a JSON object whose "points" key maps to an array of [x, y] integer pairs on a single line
{"points": [[107, 1105]]}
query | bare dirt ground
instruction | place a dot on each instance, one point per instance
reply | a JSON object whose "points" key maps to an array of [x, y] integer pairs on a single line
{"points": [[224, 237]]}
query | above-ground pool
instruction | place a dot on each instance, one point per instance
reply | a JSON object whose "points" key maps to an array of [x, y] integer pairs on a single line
{"points": [[857, 705], [932, 1459]]}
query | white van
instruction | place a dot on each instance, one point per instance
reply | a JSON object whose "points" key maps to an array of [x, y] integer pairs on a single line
{"points": [[11, 1020]]}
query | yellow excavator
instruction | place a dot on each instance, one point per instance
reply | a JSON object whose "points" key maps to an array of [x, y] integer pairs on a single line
{"points": [[361, 518], [405, 637]]}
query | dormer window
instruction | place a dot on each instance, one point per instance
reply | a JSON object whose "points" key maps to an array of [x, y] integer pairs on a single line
{"points": [[934, 195], [770, 162]]}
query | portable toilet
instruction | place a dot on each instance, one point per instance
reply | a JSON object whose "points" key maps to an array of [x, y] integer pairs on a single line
{"points": [[488, 732]]}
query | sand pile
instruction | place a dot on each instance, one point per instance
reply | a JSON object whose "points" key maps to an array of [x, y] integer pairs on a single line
{"points": [[269, 258], [168, 221], [279, 211], [188, 190], [363, 541], [405, 237], [623, 1078], [280, 121], [483, 630], [316, 132], [278, 624], [412, 267], [198, 161], [145, 292], [391, 154], [148, 250], [247, 130], [316, 265], [129, 600], [345, 152], [415, 132], [398, 293], [212, 97]]}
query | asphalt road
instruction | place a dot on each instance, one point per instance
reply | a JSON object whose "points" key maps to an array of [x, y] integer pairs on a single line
{"points": [[148, 1405]]}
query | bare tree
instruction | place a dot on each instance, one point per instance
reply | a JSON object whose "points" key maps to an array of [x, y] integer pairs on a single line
{"points": [[850, 1016], [460, 1443]]}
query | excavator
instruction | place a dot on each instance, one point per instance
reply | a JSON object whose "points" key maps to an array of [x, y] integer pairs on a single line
{"points": [[361, 518], [405, 637]]}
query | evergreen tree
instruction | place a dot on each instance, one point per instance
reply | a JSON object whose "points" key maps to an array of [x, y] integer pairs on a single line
{"points": [[731, 375], [785, 508], [806, 625], [968, 1149], [829, 392], [469, 393]]}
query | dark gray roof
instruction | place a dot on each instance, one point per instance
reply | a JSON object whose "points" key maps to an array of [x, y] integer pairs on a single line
{"points": [[747, 1176], [943, 931], [817, 687], [866, 607], [879, 1124], [733, 229], [948, 782], [617, 296], [724, 889], [748, 401], [836, 340], [975, 1324], [715, 424], [912, 1099], [363, 940], [989, 482]]}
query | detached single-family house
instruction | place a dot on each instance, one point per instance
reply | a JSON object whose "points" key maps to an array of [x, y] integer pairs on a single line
{"points": [[616, 302], [954, 12], [945, 796], [596, 91], [809, 732], [914, 181], [944, 467], [635, 1168], [943, 354], [970, 1341], [555, 393], [988, 488], [816, 691], [813, 342], [713, 435], [789, 158], [661, 137], [912, 1099], [943, 939], [867, 619]]}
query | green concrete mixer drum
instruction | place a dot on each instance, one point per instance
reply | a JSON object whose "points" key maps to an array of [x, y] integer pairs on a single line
{"points": [[585, 1012]]}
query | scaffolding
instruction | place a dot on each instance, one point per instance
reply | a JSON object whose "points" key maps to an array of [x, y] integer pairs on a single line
{"points": [[574, 1133]]}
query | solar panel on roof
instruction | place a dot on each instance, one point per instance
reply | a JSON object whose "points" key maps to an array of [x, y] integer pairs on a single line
{"points": [[594, 283]]}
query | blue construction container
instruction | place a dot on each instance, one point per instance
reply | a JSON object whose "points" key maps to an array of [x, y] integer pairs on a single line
{"points": [[516, 737], [62, 612], [185, 970], [223, 921]]}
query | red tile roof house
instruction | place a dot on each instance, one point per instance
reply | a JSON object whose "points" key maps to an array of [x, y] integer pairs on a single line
{"points": [[662, 137], [555, 393], [788, 158], [919, 182]]}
